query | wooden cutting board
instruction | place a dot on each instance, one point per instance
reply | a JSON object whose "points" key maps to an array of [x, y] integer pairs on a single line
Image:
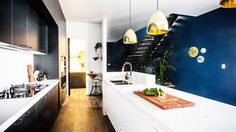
{"points": [[30, 73], [165, 102]]}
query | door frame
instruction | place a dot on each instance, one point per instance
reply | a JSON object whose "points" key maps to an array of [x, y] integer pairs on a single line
{"points": [[68, 54], [86, 64]]}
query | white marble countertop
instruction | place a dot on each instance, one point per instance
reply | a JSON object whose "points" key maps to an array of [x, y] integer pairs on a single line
{"points": [[205, 116], [12, 109]]}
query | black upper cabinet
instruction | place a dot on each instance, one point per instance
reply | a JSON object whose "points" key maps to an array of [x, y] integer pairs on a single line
{"points": [[21, 25], [33, 30], [37, 31], [5, 24], [43, 36], [19, 8]]}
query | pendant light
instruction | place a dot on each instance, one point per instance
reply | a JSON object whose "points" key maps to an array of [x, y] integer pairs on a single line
{"points": [[130, 36], [157, 24], [228, 3]]}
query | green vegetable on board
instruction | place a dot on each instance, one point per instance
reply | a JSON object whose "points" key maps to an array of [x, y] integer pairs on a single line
{"points": [[153, 92]]}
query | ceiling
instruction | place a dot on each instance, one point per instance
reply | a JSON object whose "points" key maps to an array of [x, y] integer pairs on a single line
{"points": [[117, 12]]}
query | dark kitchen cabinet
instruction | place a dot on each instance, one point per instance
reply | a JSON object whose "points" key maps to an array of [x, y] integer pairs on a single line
{"points": [[52, 105], [37, 32], [40, 117], [46, 111], [33, 29], [29, 119], [5, 24], [40, 121], [17, 126], [19, 8], [22, 26], [24, 123], [43, 37]]}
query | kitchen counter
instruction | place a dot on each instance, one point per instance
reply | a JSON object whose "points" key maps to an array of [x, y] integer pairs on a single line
{"points": [[205, 116], [12, 109]]}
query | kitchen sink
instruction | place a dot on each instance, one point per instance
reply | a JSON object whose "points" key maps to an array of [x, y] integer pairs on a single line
{"points": [[120, 82]]}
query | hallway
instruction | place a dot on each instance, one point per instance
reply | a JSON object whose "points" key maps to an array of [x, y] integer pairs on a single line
{"points": [[81, 113]]}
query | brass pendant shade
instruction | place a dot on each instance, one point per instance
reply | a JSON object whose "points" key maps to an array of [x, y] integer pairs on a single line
{"points": [[157, 24], [228, 3], [130, 37]]}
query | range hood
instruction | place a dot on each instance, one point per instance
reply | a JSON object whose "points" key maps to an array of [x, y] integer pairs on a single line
{"points": [[19, 49]]}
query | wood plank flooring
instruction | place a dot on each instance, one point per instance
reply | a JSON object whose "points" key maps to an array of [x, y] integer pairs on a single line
{"points": [[81, 113]]}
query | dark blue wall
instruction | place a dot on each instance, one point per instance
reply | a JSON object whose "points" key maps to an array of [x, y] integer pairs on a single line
{"points": [[118, 51], [215, 31]]}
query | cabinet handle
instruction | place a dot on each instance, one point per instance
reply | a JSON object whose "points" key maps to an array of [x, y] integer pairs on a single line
{"points": [[18, 121], [27, 113]]}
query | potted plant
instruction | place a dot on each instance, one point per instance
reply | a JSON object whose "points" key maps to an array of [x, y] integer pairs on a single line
{"points": [[162, 66]]}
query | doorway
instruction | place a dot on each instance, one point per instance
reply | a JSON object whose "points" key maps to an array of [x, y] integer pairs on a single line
{"points": [[77, 52]]}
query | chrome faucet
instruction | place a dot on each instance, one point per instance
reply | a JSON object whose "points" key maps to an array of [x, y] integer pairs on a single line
{"points": [[127, 63]]}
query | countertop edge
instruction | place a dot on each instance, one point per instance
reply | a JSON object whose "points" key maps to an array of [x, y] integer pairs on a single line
{"points": [[32, 102]]}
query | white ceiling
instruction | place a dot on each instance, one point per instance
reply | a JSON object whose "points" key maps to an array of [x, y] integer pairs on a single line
{"points": [[117, 12]]}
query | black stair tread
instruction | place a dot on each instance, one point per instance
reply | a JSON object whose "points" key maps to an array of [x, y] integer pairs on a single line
{"points": [[136, 55], [140, 51], [143, 44], [139, 54], [148, 36], [142, 48], [148, 40]]}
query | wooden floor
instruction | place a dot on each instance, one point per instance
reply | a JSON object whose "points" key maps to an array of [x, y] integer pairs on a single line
{"points": [[81, 113]]}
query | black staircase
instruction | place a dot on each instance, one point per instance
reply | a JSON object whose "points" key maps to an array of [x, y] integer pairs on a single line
{"points": [[142, 55]]}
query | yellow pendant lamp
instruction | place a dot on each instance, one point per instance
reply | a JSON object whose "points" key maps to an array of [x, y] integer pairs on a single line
{"points": [[228, 3], [157, 24], [130, 36]]}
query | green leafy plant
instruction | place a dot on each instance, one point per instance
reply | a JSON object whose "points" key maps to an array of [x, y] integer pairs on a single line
{"points": [[162, 66]]}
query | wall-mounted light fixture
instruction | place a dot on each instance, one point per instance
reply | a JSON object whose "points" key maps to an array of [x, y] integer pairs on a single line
{"points": [[98, 51], [200, 59], [203, 50], [193, 51]]}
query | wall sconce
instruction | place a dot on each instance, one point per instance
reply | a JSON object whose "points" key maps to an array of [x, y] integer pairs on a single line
{"points": [[203, 50], [98, 51], [193, 51], [200, 59]]}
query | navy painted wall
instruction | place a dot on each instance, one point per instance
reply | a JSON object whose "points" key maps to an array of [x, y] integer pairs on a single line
{"points": [[118, 51], [215, 31]]}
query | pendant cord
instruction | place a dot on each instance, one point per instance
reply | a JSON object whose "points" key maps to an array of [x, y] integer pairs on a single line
{"points": [[129, 13], [157, 4]]}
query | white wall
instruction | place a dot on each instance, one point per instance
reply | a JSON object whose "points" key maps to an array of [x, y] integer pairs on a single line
{"points": [[104, 45], [13, 68], [92, 33]]}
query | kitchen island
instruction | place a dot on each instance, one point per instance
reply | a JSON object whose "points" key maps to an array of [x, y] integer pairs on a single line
{"points": [[14, 109], [128, 112]]}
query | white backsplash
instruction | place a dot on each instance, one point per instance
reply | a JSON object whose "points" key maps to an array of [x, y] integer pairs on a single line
{"points": [[13, 67]]}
